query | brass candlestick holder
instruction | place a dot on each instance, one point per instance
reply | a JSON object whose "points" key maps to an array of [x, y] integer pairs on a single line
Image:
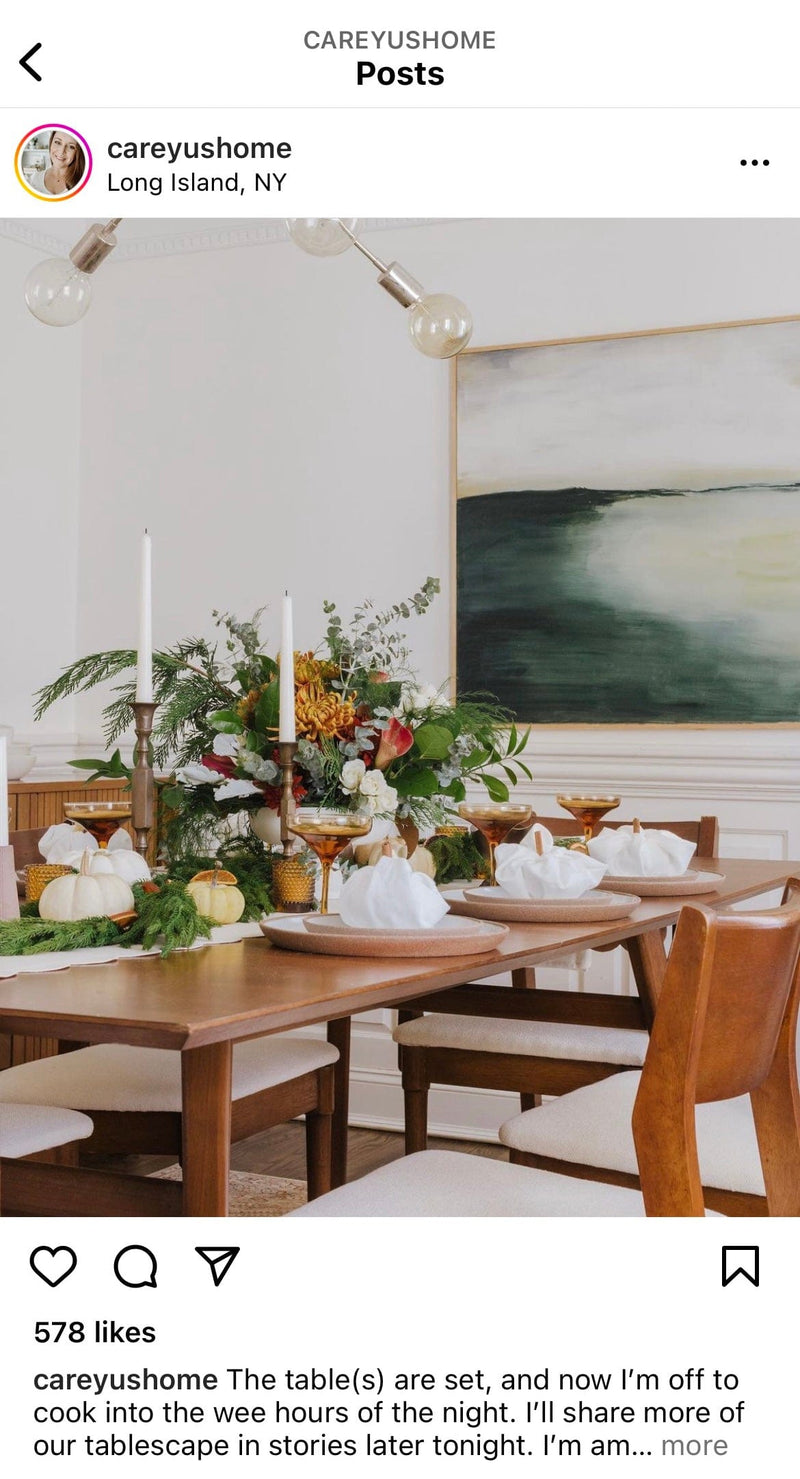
{"points": [[287, 749], [143, 788], [292, 878]]}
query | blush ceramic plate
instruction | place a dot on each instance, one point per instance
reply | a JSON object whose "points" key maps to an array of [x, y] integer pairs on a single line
{"points": [[328, 935], [690, 882], [492, 903]]}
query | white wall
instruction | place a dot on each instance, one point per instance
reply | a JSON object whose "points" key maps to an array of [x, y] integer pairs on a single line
{"points": [[40, 405]]}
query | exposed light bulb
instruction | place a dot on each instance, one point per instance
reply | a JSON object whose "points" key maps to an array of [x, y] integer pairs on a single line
{"points": [[439, 325], [57, 292], [323, 236]]}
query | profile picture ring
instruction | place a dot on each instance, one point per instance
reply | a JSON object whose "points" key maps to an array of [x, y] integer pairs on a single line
{"points": [[53, 162]]}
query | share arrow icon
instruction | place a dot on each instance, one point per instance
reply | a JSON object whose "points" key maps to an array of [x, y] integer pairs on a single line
{"points": [[219, 1261]]}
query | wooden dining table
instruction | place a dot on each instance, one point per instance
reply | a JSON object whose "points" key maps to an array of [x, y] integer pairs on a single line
{"points": [[201, 1003]]}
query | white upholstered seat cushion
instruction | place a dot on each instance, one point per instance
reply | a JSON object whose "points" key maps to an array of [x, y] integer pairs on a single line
{"points": [[442, 1183], [26, 1129], [621, 1045], [113, 1076], [592, 1127]]}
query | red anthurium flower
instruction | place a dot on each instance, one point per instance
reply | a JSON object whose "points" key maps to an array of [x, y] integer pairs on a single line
{"points": [[395, 741], [223, 764]]}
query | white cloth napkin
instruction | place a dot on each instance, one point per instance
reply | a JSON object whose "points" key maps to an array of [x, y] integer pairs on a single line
{"points": [[63, 838], [391, 896], [643, 854], [522, 872]]}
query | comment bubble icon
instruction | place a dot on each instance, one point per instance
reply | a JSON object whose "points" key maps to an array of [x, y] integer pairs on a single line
{"points": [[136, 1267]]}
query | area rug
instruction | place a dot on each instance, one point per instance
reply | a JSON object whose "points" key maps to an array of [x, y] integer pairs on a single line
{"points": [[252, 1195]]}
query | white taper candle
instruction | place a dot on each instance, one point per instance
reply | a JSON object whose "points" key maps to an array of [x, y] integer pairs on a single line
{"points": [[286, 722], [144, 662]]}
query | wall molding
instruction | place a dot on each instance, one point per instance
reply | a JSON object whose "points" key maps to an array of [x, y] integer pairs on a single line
{"points": [[214, 236]]}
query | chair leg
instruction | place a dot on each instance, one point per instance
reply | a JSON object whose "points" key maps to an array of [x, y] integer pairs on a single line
{"points": [[339, 1036], [319, 1137], [529, 1101]]}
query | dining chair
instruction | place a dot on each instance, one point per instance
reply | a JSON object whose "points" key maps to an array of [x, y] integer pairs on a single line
{"points": [[40, 1133], [718, 1093], [134, 1095], [725, 1026], [529, 1046]]}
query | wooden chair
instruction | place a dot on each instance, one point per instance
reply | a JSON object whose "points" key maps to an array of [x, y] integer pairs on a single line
{"points": [[26, 846], [466, 1039], [725, 1029], [134, 1095], [726, 1025], [38, 1133]]}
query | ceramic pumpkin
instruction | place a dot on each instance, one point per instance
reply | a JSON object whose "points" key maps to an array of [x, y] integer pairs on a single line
{"points": [[389, 847], [422, 861], [216, 896], [84, 895], [124, 863]]}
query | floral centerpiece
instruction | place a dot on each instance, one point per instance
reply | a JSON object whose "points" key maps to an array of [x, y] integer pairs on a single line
{"points": [[371, 736]]}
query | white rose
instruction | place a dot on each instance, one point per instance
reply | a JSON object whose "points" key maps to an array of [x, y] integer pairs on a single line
{"points": [[197, 775], [379, 796], [227, 745], [420, 696], [352, 775], [372, 783], [232, 789]]}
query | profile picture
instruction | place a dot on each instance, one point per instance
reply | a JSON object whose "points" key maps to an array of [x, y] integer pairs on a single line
{"points": [[53, 162]]}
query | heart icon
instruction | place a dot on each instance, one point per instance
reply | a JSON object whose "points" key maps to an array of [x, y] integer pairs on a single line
{"points": [[54, 1265]]}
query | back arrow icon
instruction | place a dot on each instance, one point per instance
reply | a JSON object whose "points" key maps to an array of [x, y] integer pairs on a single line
{"points": [[23, 61]]}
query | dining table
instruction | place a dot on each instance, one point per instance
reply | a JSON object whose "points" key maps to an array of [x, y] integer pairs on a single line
{"points": [[200, 1003]]}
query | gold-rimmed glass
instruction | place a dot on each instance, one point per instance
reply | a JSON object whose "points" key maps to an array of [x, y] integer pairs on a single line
{"points": [[495, 820], [101, 818], [327, 833], [588, 810]]}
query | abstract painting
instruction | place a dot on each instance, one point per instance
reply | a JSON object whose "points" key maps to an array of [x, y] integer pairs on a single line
{"points": [[628, 527]]}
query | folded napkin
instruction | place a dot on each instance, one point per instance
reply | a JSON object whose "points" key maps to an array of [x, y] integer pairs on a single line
{"points": [[391, 896], [64, 838], [633, 852], [535, 869]]}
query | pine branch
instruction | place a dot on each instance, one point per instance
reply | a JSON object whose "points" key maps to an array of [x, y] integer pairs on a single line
{"points": [[82, 675]]}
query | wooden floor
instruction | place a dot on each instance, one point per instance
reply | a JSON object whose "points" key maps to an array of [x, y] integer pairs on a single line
{"points": [[281, 1152]]}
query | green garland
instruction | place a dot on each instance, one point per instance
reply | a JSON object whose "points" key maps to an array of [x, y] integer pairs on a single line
{"points": [[166, 914], [458, 855], [33, 936]]}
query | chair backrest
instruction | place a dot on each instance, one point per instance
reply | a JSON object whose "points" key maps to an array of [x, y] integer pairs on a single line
{"points": [[726, 1025], [703, 833], [26, 846]]}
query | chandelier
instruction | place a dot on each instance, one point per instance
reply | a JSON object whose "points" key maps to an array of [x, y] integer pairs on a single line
{"points": [[59, 291]]}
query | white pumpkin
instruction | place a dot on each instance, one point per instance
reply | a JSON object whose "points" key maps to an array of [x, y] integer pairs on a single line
{"points": [[82, 896], [422, 861], [216, 896], [125, 863], [390, 847]]}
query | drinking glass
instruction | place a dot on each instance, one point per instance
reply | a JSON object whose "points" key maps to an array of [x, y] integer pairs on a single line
{"points": [[495, 820], [101, 818], [328, 833], [588, 810]]}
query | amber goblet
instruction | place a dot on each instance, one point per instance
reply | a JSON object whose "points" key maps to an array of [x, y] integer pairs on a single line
{"points": [[328, 833], [101, 818], [495, 820], [588, 810]]}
